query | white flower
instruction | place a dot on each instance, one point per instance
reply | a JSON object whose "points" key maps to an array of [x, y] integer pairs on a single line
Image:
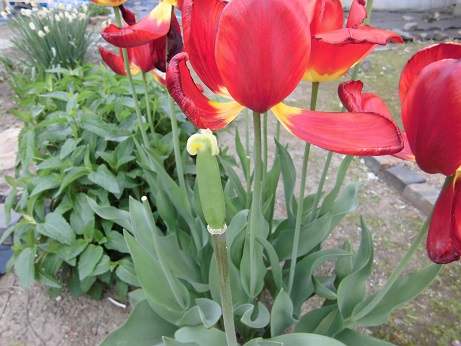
{"points": [[82, 16], [26, 12], [53, 51], [46, 28], [60, 7], [85, 7], [57, 18], [41, 33], [8, 10], [32, 26], [4, 15], [69, 7]]}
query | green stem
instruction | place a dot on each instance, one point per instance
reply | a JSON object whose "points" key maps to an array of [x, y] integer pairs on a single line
{"points": [[130, 80], [247, 132], [256, 205], [222, 264], [315, 204], [369, 7], [177, 151], [302, 187], [265, 152], [149, 113], [277, 134]]}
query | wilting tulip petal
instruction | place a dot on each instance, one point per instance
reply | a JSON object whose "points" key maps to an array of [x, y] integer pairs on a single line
{"points": [[109, 2], [127, 15], [361, 134], [364, 34], [200, 22], [158, 78], [354, 100], [444, 237], [156, 24], [357, 14], [423, 58], [202, 112], [431, 117], [324, 15], [272, 57], [114, 61]]}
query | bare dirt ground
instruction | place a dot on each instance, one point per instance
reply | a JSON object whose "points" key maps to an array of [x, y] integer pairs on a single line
{"points": [[31, 317]]}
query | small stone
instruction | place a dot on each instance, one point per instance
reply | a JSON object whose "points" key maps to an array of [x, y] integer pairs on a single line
{"points": [[440, 36], [8, 148], [410, 26], [399, 177], [422, 196], [405, 35], [407, 18], [14, 218]]}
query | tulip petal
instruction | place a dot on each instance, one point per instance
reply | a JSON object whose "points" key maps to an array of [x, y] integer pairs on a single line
{"points": [[363, 34], [201, 111], [262, 50], [200, 22], [141, 56], [354, 100], [361, 134], [324, 15], [127, 15], [158, 78], [357, 14], [156, 24], [109, 2], [426, 56], [431, 117], [444, 237], [114, 61]]}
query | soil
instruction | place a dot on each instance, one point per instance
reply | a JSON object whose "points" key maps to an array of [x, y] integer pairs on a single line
{"points": [[31, 317]]}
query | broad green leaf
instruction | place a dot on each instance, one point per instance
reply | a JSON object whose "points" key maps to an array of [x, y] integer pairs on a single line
{"points": [[120, 217], [58, 95], [70, 176], [104, 178], [353, 338], [253, 316], [57, 228], [88, 260], [296, 339], [402, 291], [244, 159], [48, 182], [274, 261], [68, 252], [234, 178], [103, 266], [26, 147], [352, 289], [24, 266], [115, 241], [346, 202], [172, 342], [206, 312], [312, 321], [160, 286], [126, 272], [46, 279], [82, 215], [201, 336], [68, 147], [144, 327], [281, 313]]}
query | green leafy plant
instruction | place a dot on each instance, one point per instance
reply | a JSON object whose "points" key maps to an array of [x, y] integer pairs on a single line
{"points": [[96, 10], [46, 38], [78, 141]]}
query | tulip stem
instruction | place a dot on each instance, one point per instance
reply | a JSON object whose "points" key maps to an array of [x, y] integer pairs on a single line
{"points": [[150, 116], [256, 204], [222, 264], [247, 132], [177, 151], [302, 187], [126, 61], [315, 204]]}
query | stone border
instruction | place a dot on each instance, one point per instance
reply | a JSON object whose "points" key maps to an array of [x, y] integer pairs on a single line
{"points": [[409, 184]]}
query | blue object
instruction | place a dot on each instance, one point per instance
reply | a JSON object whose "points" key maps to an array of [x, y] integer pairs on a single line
{"points": [[5, 254]]}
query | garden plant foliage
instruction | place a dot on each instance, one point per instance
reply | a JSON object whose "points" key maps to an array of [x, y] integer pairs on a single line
{"points": [[110, 197]]}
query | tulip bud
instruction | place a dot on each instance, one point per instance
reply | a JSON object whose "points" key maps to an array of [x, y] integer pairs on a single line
{"points": [[205, 146]]}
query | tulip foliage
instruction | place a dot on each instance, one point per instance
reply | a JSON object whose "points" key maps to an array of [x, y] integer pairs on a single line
{"points": [[253, 54]]}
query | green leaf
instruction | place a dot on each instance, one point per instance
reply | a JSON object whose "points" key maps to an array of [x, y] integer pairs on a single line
{"points": [[26, 146], [352, 338], [274, 261], [88, 260], [69, 252], [24, 266], [402, 291], [68, 147], [281, 313], [57, 228], [288, 176], [115, 241], [57, 95], [144, 327], [70, 176], [165, 291], [206, 312], [126, 272], [253, 316], [201, 336], [352, 289], [234, 178], [82, 216], [104, 178], [296, 339], [120, 217], [48, 182]]}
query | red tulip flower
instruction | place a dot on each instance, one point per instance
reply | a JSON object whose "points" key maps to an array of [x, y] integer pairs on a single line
{"points": [[255, 52], [336, 49], [149, 56], [430, 93], [109, 2]]}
